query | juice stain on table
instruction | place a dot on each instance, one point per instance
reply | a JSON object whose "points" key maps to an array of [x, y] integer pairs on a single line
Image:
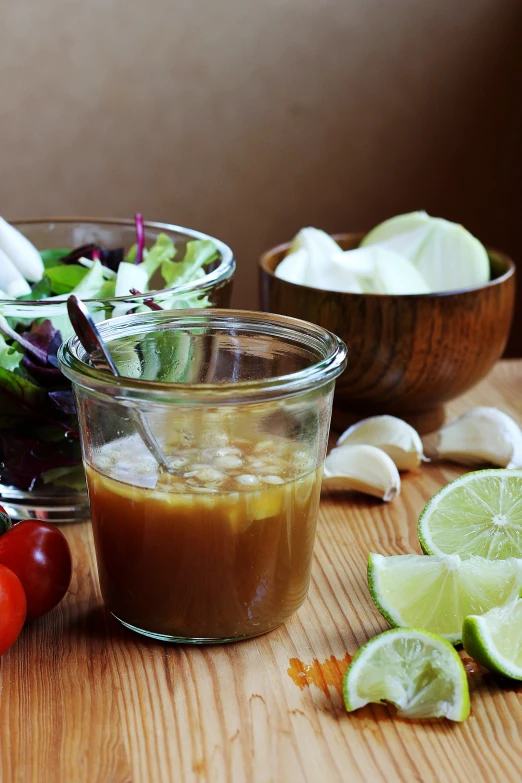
{"points": [[323, 675], [330, 672]]}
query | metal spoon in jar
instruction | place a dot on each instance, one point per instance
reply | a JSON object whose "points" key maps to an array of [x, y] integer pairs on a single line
{"points": [[100, 357]]}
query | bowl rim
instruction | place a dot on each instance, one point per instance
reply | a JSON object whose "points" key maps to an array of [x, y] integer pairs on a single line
{"points": [[269, 254], [221, 274]]}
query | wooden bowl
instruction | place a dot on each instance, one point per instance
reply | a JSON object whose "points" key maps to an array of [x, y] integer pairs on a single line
{"points": [[407, 355]]}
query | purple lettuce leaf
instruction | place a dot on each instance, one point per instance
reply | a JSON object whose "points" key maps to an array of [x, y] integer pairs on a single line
{"points": [[112, 258], [83, 251], [140, 238], [46, 376], [63, 401], [149, 301], [109, 258], [23, 461], [46, 339]]}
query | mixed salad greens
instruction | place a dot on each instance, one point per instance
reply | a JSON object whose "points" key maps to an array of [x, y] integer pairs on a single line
{"points": [[39, 441]]}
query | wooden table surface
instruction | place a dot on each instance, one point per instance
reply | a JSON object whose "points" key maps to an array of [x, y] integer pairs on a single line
{"points": [[82, 699]]}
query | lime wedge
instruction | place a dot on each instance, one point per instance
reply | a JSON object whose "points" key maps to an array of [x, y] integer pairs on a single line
{"points": [[438, 593], [478, 514], [495, 639], [419, 672]]}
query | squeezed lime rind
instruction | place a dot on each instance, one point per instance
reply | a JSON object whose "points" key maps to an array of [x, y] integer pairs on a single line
{"points": [[457, 710]]}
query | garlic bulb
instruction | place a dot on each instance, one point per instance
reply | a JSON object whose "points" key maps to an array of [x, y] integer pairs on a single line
{"points": [[364, 469], [21, 252], [394, 436], [481, 436]]}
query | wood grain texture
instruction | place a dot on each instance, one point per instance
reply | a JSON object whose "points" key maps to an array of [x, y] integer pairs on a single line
{"points": [[83, 700], [407, 355]]}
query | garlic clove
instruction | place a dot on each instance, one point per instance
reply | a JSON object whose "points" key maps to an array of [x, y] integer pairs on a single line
{"points": [[21, 252], [394, 436], [364, 469], [11, 280], [481, 436]]}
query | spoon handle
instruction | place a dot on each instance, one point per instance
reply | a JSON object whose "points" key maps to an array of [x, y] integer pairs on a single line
{"points": [[101, 358]]}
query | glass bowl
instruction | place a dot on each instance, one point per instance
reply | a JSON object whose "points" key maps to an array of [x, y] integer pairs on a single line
{"points": [[41, 474]]}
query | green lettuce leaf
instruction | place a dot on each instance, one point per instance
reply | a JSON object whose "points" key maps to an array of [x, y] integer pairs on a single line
{"points": [[65, 279], [91, 283], [41, 290], [10, 356], [162, 250], [130, 257], [31, 395], [108, 289], [51, 257], [73, 477], [199, 252]]}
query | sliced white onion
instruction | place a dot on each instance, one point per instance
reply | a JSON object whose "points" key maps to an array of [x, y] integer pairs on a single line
{"points": [[22, 253], [11, 280]]}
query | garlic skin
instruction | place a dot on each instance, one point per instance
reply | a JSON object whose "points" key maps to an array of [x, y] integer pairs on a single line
{"points": [[364, 469], [11, 281], [398, 439], [481, 436], [21, 252]]}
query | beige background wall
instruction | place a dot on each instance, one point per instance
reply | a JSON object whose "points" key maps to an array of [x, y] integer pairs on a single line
{"points": [[251, 119]]}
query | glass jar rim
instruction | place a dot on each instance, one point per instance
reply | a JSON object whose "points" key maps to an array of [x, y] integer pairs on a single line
{"points": [[221, 274], [72, 359]]}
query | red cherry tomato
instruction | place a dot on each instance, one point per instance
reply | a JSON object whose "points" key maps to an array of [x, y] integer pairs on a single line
{"points": [[39, 555], [5, 522], [12, 608]]}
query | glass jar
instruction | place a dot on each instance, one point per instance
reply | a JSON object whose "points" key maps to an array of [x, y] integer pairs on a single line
{"points": [[218, 546], [41, 474]]}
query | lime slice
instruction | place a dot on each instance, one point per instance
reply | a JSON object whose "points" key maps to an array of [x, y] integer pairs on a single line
{"points": [[400, 224], [419, 672], [438, 593], [495, 639], [478, 514]]}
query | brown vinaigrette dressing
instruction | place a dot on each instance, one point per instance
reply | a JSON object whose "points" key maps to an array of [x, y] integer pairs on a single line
{"points": [[323, 675], [221, 550]]}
